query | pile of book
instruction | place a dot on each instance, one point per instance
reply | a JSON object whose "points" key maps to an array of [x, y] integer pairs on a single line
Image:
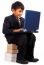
{"points": [[11, 53]]}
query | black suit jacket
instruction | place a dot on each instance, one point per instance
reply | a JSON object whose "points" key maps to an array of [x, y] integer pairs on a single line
{"points": [[10, 23]]}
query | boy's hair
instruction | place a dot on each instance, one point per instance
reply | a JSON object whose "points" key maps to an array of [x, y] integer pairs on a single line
{"points": [[17, 5]]}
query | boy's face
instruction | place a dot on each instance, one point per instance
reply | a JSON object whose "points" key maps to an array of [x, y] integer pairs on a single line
{"points": [[18, 12]]}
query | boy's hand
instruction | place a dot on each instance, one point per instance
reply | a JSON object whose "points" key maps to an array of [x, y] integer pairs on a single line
{"points": [[17, 30]]}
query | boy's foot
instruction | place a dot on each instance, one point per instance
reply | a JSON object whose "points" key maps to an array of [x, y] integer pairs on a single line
{"points": [[33, 60], [22, 62]]}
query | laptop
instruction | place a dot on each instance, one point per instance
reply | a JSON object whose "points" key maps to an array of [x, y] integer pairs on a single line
{"points": [[32, 20]]}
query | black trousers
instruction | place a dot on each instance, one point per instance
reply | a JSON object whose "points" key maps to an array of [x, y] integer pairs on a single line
{"points": [[30, 46], [22, 46], [25, 43], [26, 46]]}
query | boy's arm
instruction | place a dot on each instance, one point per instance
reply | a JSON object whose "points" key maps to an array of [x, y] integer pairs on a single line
{"points": [[7, 29], [17, 30]]}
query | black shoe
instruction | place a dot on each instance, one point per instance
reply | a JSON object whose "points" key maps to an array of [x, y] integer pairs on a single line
{"points": [[22, 62], [33, 60]]}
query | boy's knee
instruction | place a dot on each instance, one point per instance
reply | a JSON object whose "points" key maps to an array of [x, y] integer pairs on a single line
{"points": [[33, 36]]}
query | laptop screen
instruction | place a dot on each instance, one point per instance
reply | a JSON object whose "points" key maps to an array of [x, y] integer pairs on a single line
{"points": [[32, 19]]}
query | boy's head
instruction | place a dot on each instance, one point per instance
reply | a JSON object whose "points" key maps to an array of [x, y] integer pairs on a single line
{"points": [[17, 9]]}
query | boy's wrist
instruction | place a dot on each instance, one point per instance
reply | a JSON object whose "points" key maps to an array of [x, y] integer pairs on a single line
{"points": [[17, 30]]}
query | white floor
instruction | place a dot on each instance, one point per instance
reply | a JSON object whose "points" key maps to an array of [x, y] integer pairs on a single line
{"points": [[39, 45]]}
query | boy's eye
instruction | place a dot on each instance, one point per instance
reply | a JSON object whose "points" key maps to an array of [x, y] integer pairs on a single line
{"points": [[20, 11]]}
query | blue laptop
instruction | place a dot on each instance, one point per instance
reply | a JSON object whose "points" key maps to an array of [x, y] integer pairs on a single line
{"points": [[32, 20]]}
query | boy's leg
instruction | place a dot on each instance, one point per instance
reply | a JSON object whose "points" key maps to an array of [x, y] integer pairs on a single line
{"points": [[22, 44], [30, 45]]}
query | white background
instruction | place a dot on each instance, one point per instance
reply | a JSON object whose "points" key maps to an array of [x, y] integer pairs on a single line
{"points": [[5, 10]]}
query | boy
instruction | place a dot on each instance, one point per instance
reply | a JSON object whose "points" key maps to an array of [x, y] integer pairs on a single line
{"points": [[13, 30]]}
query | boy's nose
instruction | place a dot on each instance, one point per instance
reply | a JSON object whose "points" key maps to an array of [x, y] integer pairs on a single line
{"points": [[20, 14]]}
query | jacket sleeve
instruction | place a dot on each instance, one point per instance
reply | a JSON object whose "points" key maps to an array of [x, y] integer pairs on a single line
{"points": [[6, 27]]}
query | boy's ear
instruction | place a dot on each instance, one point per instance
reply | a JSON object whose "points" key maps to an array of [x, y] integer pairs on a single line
{"points": [[12, 10]]}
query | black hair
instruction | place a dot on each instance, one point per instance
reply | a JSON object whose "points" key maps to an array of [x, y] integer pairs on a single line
{"points": [[17, 5]]}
